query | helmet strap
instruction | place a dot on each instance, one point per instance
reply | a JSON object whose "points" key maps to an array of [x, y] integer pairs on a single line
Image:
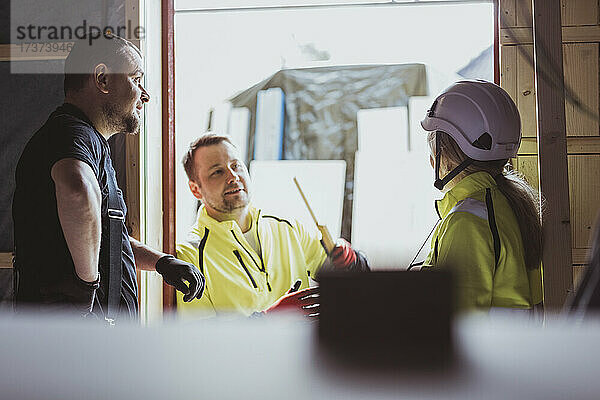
{"points": [[438, 153], [440, 183]]}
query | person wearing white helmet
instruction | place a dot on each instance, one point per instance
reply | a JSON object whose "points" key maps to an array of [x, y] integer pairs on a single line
{"points": [[489, 234]]}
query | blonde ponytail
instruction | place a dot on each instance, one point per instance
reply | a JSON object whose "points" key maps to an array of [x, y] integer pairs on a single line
{"points": [[524, 201]]}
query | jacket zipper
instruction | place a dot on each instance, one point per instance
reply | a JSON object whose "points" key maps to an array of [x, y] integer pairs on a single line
{"points": [[263, 270], [201, 246], [246, 250], [239, 257]]}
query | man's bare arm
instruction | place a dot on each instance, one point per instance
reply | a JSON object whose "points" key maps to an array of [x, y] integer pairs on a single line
{"points": [[145, 256], [79, 200]]}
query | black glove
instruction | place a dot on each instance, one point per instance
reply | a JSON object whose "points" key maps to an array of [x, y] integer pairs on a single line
{"points": [[361, 263], [175, 272], [343, 256]]}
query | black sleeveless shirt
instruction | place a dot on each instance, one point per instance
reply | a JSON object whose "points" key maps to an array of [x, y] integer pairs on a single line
{"points": [[42, 253]]}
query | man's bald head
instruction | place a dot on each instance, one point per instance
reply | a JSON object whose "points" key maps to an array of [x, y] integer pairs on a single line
{"points": [[113, 51]]}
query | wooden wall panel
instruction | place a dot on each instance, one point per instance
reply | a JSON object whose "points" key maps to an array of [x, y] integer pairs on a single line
{"points": [[580, 256], [581, 37], [584, 183], [16, 52], [580, 63], [579, 12], [578, 272], [508, 70], [517, 13], [570, 34], [523, 13], [581, 75], [527, 165], [584, 191], [508, 17], [6, 260], [575, 145], [526, 90]]}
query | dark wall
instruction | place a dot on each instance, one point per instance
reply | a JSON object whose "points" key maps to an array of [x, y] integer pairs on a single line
{"points": [[26, 104], [5, 21]]}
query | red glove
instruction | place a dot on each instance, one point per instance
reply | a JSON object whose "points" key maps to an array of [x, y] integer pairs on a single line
{"points": [[305, 301], [342, 255]]}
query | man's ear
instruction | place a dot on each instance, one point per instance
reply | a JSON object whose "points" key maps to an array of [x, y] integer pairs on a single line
{"points": [[101, 77], [195, 189]]}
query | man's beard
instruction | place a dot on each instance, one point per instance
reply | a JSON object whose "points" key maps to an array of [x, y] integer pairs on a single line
{"points": [[118, 122], [227, 205]]}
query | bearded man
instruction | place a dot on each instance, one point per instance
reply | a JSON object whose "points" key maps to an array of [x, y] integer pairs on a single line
{"points": [[253, 261], [72, 249]]}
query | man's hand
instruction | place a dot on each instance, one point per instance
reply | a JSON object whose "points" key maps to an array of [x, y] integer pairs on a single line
{"points": [[343, 256], [71, 295], [175, 272], [305, 301]]}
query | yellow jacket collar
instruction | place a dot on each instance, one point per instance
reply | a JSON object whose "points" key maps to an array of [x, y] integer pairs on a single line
{"points": [[466, 187], [206, 220]]}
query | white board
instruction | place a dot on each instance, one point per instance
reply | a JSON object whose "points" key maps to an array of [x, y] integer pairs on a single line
{"points": [[239, 122], [393, 209], [378, 127], [268, 137], [322, 182]]}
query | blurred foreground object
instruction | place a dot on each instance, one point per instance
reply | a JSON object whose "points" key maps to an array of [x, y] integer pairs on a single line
{"points": [[47, 357], [392, 317]]}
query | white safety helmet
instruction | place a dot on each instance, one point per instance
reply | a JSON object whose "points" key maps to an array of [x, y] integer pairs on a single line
{"points": [[481, 118]]}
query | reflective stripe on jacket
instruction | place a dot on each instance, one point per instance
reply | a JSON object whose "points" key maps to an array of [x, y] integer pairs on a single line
{"points": [[239, 279], [464, 242]]}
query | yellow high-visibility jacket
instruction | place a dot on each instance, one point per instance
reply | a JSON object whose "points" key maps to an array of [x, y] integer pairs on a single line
{"points": [[240, 280], [477, 226]]}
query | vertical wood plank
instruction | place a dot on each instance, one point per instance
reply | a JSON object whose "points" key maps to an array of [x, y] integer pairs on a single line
{"points": [[526, 93], [132, 16], [508, 17], [552, 154], [584, 190], [578, 272], [584, 178], [132, 154], [523, 13], [132, 144], [528, 166], [152, 216], [580, 61], [496, 44], [579, 12], [508, 70], [168, 139], [574, 198]]}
